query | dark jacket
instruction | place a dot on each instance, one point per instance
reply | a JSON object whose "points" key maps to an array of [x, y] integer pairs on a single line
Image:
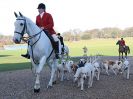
{"points": [[61, 40]]}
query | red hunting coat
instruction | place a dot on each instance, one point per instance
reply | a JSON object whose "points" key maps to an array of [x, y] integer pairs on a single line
{"points": [[122, 43], [47, 22]]}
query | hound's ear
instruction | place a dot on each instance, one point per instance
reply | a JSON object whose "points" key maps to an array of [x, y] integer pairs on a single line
{"points": [[20, 14], [15, 14]]}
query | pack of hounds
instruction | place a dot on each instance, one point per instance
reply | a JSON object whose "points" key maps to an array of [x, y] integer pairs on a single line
{"points": [[90, 68]]}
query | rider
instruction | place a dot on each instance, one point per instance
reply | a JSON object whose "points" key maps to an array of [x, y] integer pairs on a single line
{"points": [[45, 21], [122, 42], [61, 40]]}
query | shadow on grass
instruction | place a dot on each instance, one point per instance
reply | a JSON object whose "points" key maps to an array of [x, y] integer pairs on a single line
{"points": [[4, 55], [14, 66]]}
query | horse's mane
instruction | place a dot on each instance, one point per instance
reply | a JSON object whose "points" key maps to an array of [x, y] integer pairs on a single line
{"points": [[31, 23]]}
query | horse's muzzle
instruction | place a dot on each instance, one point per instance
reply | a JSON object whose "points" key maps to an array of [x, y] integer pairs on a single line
{"points": [[16, 41]]}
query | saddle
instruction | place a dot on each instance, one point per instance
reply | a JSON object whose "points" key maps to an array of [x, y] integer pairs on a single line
{"points": [[55, 45], [123, 47]]}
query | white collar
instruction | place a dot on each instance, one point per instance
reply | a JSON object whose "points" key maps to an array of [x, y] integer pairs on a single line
{"points": [[42, 14]]}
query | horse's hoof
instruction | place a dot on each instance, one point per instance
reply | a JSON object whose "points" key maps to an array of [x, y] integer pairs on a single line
{"points": [[54, 82], [49, 86], [81, 89], [36, 90]]}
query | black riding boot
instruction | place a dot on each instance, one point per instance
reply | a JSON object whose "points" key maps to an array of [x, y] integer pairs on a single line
{"points": [[56, 48], [62, 50], [26, 55]]}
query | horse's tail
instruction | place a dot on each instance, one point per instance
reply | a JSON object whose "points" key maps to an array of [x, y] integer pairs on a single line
{"points": [[128, 50]]}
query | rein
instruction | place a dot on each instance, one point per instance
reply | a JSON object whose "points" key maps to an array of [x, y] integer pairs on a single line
{"points": [[34, 44]]}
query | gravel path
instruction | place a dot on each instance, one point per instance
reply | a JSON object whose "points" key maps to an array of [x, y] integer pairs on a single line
{"points": [[19, 85]]}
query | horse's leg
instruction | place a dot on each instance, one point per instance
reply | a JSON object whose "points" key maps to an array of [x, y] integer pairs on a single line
{"points": [[53, 72], [33, 68], [119, 55], [127, 73], [56, 73], [62, 75], [38, 70], [41, 64], [56, 76], [126, 55], [37, 83], [122, 55]]}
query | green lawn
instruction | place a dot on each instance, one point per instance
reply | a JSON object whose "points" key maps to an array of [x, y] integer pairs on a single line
{"points": [[12, 60]]}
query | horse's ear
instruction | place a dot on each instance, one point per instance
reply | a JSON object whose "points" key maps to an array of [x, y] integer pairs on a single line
{"points": [[15, 14], [20, 14]]}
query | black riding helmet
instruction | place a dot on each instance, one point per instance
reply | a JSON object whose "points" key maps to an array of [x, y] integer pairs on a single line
{"points": [[41, 6], [58, 33]]}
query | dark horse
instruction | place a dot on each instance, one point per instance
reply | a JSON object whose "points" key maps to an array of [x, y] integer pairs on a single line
{"points": [[123, 49]]}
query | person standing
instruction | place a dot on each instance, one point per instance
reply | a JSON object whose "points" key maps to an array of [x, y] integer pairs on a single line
{"points": [[61, 40], [85, 50]]}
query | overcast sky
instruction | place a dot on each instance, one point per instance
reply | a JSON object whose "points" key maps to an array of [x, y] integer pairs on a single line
{"points": [[70, 14]]}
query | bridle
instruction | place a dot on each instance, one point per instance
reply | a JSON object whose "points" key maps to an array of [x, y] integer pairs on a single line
{"points": [[23, 32], [25, 27]]}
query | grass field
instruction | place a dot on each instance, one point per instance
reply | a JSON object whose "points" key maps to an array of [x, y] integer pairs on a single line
{"points": [[12, 60]]}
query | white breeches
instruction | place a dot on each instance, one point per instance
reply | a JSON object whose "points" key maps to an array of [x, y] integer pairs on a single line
{"points": [[55, 37]]}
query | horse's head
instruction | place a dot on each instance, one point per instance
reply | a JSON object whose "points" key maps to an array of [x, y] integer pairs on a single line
{"points": [[20, 28], [118, 42]]}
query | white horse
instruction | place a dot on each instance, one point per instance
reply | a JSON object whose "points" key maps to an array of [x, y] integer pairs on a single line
{"points": [[40, 48]]}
